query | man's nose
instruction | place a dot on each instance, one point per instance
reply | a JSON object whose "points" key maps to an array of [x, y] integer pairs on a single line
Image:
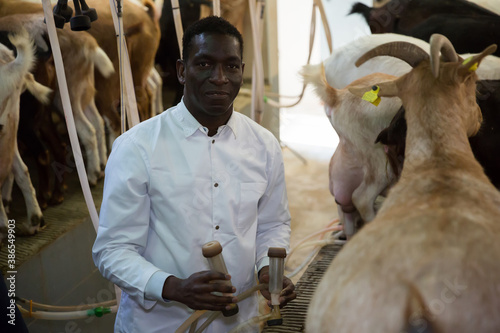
{"points": [[219, 75]]}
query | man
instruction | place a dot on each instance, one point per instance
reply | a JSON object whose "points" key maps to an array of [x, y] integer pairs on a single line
{"points": [[196, 173]]}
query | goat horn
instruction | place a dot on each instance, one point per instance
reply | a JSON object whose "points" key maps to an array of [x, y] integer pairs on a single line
{"points": [[478, 57], [441, 44], [405, 51]]}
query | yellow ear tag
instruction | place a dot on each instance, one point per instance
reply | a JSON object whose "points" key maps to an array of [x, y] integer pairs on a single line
{"points": [[372, 96], [473, 68]]}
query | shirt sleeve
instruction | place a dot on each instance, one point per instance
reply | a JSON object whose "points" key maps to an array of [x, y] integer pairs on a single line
{"points": [[154, 287], [124, 222], [273, 229]]}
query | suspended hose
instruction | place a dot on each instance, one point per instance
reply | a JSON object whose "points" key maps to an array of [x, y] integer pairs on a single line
{"points": [[69, 315], [197, 314], [179, 31], [216, 9], [257, 102], [251, 322], [66, 307], [319, 5], [311, 43], [127, 92], [207, 322], [320, 232], [192, 319], [328, 35], [123, 116], [304, 262], [318, 244], [68, 113]]}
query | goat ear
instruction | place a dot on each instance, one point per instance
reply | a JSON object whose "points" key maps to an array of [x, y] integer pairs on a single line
{"points": [[470, 64], [382, 137], [387, 89]]}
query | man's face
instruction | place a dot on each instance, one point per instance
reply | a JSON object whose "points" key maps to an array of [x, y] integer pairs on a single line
{"points": [[212, 75]]}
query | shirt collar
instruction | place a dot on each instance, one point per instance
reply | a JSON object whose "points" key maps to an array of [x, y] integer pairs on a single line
{"points": [[189, 124]]}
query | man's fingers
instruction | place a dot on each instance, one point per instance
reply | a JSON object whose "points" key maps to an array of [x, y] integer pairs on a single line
{"points": [[206, 276], [215, 287]]}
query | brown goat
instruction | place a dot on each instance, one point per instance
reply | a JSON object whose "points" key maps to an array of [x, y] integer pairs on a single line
{"points": [[142, 34], [429, 260]]}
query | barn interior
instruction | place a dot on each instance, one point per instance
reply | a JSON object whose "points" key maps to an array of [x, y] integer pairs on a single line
{"points": [[55, 266]]}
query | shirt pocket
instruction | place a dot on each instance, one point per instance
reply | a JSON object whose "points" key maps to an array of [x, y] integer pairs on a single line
{"points": [[250, 194]]}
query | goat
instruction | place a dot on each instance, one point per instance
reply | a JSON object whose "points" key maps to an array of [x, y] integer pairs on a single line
{"points": [[339, 72], [429, 260], [468, 26], [491, 5], [142, 36], [15, 78], [80, 54], [379, 3], [485, 144], [358, 170], [400, 16]]}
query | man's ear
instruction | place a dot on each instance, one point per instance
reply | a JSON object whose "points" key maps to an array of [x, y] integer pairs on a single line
{"points": [[181, 71], [387, 89], [242, 71]]}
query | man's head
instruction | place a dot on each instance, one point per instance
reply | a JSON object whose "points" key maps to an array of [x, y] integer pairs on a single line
{"points": [[209, 25], [211, 70]]}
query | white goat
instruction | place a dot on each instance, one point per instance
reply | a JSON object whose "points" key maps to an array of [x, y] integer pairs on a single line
{"points": [[340, 70], [358, 171], [429, 260], [355, 192], [80, 53], [15, 79]]}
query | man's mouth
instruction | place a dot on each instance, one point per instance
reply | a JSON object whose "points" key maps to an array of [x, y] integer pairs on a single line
{"points": [[216, 93]]}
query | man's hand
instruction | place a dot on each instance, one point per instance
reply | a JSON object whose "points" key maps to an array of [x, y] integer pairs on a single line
{"points": [[286, 295], [197, 291]]}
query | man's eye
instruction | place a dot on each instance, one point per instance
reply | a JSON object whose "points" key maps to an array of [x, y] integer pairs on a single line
{"points": [[234, 66], [203, 64]]}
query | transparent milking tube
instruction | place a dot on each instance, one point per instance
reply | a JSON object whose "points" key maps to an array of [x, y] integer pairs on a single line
{"points": [[213, 252], [276, 271]]}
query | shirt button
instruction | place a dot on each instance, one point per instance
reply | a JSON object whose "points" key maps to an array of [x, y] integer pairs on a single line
{"points": [[216, 184], [213, 141], [216, 227]]}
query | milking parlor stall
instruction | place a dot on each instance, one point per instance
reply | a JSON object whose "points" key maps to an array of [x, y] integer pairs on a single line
{"points": [[388, 117]]}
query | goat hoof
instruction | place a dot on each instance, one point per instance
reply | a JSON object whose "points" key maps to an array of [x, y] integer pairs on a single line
{"points": [[92, 183], [43, 225], [25, 230], [42, 202], [6, 205], [56, 199], [36, 220]]}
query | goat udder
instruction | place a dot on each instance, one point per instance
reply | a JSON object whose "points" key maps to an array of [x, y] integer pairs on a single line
{"points": [[346, 208]]}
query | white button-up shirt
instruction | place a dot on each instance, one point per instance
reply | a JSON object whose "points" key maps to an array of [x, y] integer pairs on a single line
{"points": [[169, 189]]}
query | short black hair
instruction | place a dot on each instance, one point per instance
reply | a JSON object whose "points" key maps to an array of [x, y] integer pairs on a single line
{"points": [[209, 25]]}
